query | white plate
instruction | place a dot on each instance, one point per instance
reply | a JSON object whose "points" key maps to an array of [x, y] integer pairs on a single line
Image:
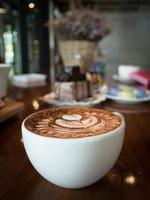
{"points": [[129, 101], [29, 80], [122, 80], [96, 99]]}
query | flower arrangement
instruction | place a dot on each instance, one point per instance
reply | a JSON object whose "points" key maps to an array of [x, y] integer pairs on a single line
{"points": [[80, 25]]}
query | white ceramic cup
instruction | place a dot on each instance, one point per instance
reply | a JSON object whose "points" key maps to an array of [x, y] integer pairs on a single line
{"points": [[77, 162], [124, 71]]}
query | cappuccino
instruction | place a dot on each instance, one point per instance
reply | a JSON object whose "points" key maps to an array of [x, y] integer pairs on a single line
{"points": [[72, 122]]}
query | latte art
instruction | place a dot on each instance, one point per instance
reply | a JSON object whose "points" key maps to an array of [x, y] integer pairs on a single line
{"points": [[81, 122], [72, 123]]}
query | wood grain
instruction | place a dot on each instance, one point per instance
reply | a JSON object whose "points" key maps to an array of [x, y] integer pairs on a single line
{"points": [[127, 180], [10, 109]]}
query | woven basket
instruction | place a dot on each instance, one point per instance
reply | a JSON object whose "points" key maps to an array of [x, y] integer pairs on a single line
{"points": [[78, 53]]}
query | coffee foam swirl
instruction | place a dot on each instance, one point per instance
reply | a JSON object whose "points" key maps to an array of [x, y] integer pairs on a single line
{"points": [[72, 123]]}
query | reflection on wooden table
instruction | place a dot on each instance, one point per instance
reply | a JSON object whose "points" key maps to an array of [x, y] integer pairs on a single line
{"points": [[129, 178]]}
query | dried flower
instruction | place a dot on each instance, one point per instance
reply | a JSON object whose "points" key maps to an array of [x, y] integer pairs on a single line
{"points": [[80, 25]]}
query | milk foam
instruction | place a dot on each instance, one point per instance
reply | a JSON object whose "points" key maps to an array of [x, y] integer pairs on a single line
{"points": [[75, 123]]}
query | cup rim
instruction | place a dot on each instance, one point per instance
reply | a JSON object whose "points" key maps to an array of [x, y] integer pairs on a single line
{"points": [[81, 139], [129, 66], [5, 65]]}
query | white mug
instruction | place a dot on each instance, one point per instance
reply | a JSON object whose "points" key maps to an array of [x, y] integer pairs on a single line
{"points": [[74, 162], [124, 71]]}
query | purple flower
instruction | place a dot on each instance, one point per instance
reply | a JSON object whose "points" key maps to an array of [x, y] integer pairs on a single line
{"points": [[81, 24], [70, 26]]}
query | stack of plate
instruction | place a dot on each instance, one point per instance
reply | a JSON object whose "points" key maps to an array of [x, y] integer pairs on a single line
{"points": [[29, 80]]}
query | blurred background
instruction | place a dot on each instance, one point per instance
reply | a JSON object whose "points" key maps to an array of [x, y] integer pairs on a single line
{"points": [[28, 43]]}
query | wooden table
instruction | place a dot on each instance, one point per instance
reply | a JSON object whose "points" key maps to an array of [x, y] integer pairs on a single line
{"points": [[10, 109], [128, 180]]}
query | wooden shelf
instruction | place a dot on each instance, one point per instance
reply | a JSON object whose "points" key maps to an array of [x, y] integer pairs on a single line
{"points": [[10, 109]]}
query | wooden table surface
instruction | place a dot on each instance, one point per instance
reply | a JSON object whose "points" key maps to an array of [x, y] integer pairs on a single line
{"points": [[128, 180]]}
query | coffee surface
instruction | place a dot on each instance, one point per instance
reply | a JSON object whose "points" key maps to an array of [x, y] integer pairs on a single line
{"points": [[72, 122]]}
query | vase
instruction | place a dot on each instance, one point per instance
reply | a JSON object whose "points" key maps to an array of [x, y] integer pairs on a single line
{"points": [[78, 53], [4, 70]]}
